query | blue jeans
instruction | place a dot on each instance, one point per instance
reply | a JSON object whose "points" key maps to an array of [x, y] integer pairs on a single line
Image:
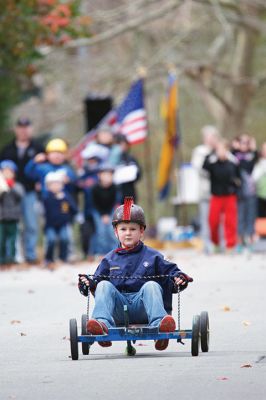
{"points": [[204, 206], [30, 222], [144, 306], [247, 211], [104, 239], [52, 236]]}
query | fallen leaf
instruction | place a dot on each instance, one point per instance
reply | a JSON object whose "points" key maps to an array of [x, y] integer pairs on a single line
{"points": [[246, 323], [30, 291], [15, 321], [23, 334], [222, 378], [246, 366], [226, 308]]}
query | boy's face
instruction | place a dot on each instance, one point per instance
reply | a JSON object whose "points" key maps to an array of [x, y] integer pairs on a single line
{"points": [[221, 151], [56, 157], [106, 178], [55, 187], [8, 173], [129, 233]]}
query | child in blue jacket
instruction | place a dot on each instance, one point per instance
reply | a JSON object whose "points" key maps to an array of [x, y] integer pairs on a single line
{"points": [[124, 277], [60, 209], [53, 160]]}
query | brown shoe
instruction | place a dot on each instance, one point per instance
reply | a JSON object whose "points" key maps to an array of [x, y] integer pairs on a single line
{"points": [[167, 325], [98, 328]]}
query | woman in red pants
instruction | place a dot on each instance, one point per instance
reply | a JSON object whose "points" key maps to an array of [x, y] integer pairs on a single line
{"points": [[225, 181]]}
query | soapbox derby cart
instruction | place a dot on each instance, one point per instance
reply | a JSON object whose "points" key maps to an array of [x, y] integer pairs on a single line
{"points": [[199, 334]]}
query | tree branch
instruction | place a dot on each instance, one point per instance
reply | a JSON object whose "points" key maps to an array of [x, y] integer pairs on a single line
{"points": [[129, 25]]}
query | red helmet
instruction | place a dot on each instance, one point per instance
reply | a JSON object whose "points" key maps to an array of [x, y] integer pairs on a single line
{"points": [[129, 212]]}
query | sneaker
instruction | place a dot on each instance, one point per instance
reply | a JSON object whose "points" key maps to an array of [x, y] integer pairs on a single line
{"points": [[96, 328], [167, 325]]}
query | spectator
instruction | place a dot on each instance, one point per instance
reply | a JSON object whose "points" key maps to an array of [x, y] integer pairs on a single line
{"points": [[60, 209], [20, 150], [246, 203], [225, 180], [128, 171], [53, 160], [107, 150], [259, 176], [210, 137], [105, 198], [85, 183], [11, 194]]}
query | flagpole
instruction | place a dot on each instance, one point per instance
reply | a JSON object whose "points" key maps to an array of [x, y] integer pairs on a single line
{"points": [[148, 170]]}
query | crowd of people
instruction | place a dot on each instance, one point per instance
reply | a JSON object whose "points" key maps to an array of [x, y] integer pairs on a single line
{"points": [[232, 185], [38, 180], [40, 191]]}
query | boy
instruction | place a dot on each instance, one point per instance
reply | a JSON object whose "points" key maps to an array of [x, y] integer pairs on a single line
{"points": [[148, 300], [54, 159], [11, 194], [59, 211]]}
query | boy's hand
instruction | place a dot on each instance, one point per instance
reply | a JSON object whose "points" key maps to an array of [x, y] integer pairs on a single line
{"points": [[182, 279], [40, 158], [84, 280]]}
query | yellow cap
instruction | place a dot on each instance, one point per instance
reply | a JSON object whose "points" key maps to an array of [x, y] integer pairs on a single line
{"points": [[56, 145]]}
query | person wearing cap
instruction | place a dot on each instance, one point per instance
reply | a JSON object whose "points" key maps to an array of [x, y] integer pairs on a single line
{"points": [[105, 197], [125, 277], [11, 194], [21, 150], [54, 159], [59, 210]]}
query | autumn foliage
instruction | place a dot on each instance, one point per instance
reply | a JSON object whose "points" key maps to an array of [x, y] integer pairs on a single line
{"points": [[25, 27]]}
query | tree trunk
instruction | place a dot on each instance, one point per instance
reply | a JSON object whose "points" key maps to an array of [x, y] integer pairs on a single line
{"points": [[239, 94]]}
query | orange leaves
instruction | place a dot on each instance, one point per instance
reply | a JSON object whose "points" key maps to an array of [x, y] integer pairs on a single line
{"points": [[57, 18]]}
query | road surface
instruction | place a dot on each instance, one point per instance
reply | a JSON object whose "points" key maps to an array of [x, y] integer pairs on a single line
{"points": [[35, 363]]}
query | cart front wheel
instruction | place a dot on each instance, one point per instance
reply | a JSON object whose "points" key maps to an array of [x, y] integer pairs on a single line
{"points": [[195, 335], [85, 346], [74, 339], [204, 331]]}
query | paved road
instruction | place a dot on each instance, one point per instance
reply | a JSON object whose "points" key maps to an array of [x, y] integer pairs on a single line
{"points": [[36, 305]]}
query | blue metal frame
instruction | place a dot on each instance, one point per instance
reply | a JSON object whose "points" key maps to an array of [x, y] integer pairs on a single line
{"points": [[135, 333]]}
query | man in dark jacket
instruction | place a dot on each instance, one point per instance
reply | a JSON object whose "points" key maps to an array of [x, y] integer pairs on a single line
{"points": [[20, 150], [126, 276]]}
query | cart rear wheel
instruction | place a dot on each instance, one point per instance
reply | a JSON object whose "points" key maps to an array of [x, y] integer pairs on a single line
{"points": [[204, 331], [85, 346], [195, 335], [74, 339]]}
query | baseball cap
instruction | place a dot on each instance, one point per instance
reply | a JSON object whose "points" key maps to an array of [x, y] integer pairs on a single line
{"points": [[8, 164], [23, 121]]}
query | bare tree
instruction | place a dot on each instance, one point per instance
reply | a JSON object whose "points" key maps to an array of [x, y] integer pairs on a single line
{"points": [[221, 67]]}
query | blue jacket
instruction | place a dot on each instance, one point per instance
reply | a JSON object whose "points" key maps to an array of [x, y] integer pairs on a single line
{"points": [[38, 171], [139, 262], [58, 212]]}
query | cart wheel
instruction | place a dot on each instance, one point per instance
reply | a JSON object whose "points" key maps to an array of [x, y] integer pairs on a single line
{"points": [[130, 351], [74, 339], [85, 346], [195, 335], [204, 331]]}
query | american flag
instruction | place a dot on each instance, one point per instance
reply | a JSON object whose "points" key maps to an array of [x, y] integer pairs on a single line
{"points": [[132, 116], [130, 119]]}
